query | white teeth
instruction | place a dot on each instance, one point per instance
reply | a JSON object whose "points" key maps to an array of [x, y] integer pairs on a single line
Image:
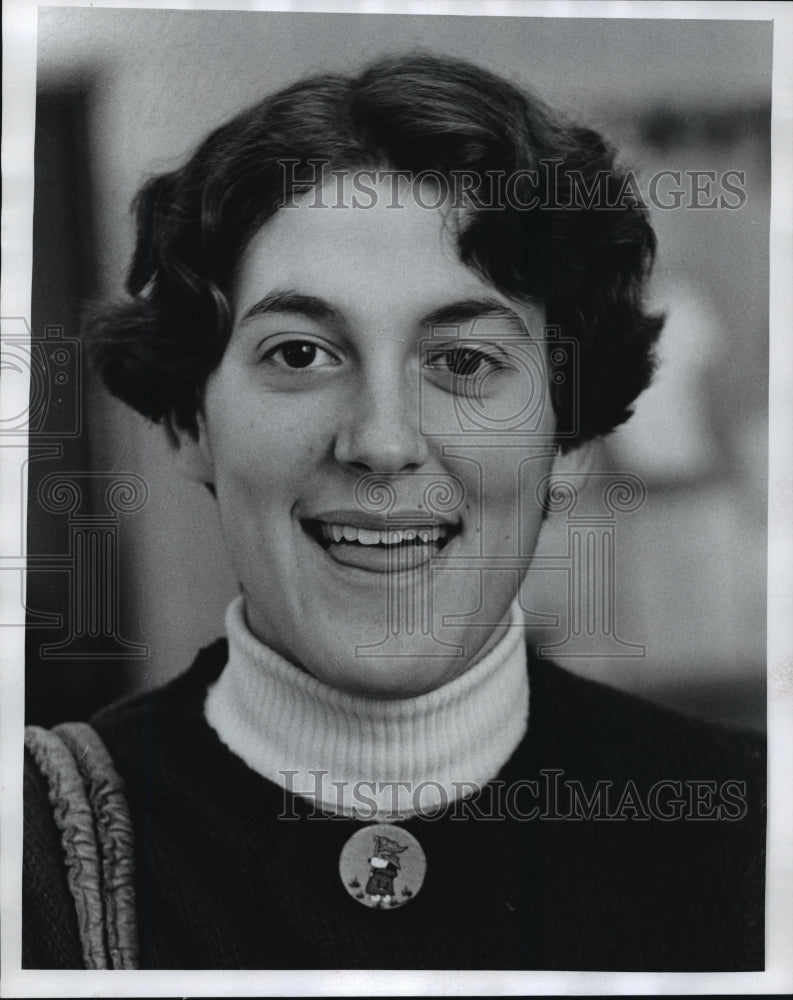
{"points": [[368, 536]]}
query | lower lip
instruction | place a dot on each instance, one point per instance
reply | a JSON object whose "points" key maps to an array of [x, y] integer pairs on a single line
{"points": [[380, 558]]}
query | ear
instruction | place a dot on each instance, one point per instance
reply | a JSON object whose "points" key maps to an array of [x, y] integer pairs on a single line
{"points": [[191, 450]]}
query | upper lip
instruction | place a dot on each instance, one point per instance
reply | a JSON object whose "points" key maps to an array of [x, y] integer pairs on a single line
{"points": [[379, 522]]}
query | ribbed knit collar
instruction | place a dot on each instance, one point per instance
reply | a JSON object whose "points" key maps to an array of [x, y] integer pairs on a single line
{"points": [[363, 757]]}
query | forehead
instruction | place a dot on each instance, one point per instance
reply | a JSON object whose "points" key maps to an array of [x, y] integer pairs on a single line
{"points": [[389, 252]]}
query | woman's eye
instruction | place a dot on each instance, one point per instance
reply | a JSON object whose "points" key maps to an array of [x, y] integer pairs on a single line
{"points": [[300, 354], [466, 362]]}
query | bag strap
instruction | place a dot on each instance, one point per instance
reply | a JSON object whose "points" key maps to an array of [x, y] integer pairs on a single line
{"points": [[91, 812]]}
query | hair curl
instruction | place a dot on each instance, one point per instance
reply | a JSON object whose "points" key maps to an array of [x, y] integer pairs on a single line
{"points": [[587, 263]]}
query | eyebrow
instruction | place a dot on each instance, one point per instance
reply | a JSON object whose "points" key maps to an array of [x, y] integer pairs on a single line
{"points": [[451, 314], [289, 301], [457, 313]]}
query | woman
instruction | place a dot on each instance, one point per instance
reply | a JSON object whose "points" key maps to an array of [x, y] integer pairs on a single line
{"points": [[369, 312]]}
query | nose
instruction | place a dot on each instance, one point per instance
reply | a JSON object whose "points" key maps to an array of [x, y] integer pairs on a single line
{"points": [[381, 431]]}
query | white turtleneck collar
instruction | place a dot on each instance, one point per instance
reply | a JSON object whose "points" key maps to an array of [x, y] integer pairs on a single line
{"points": [[373, 759]]}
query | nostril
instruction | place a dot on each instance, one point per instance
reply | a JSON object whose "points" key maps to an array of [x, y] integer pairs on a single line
{"points": [[360, 467]]}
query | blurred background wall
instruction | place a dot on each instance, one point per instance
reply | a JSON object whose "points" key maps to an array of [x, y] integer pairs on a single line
{"points": [[125, 93]]}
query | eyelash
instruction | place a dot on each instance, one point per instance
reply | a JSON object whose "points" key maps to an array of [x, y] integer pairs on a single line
{"points": [[457, 362], [471, 357], [271, 356]]}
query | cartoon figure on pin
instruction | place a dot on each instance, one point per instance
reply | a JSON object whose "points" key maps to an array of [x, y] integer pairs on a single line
{"points": [[382, 866]]}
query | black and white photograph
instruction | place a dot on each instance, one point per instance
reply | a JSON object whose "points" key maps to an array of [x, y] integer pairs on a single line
{"points": [[396, 446]]}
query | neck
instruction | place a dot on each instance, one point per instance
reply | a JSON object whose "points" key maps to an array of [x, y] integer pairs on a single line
{"points": [[370, 758]]}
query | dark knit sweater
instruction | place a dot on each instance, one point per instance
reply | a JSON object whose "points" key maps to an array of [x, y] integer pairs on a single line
{"points": [[222, 882]]}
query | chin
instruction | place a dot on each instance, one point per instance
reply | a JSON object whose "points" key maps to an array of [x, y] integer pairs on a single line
{"points": [[395, 666]]}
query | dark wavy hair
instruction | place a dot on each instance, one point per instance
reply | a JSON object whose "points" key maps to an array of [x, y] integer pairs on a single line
{"points": [[588, 263]]}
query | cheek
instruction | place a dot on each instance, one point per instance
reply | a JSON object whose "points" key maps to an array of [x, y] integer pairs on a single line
{"points": [[262, 441], [508, 495]]}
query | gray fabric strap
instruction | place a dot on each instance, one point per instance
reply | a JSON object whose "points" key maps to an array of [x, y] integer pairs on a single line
{"points": [[90, 810], [113, 826]]}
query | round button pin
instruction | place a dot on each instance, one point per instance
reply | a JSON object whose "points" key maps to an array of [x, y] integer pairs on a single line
{"points": [[382, 866]]}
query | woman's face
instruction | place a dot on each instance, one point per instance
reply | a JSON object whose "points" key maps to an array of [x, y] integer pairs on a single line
{"points": [[375, 433]]}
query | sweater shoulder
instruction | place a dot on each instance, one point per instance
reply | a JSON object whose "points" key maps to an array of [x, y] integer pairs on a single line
{"points": [[170, 758], [183, 693], [570, 714]]}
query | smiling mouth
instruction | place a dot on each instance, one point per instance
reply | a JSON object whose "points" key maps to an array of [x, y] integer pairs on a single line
{"points": [[384, 550]]}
